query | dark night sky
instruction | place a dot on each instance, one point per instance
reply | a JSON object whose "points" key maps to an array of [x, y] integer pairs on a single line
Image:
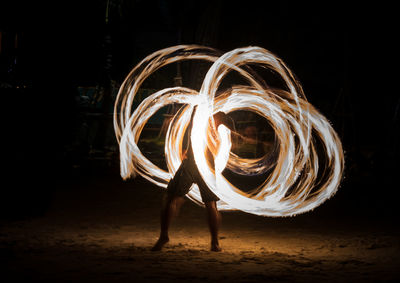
{"points": [[326, 45], [332, 48]]}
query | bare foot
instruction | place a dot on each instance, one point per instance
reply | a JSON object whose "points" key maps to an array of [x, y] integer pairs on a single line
{"points": [[160, 244], [215, 247]]}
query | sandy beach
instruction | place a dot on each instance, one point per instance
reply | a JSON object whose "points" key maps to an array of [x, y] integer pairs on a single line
{"points": [[100, 228]]}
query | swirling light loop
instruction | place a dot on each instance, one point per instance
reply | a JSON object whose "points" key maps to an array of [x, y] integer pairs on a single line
{"points": [[309, 160]]}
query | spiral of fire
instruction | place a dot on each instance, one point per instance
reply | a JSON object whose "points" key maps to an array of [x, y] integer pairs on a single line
{"points": [[309, 164]]}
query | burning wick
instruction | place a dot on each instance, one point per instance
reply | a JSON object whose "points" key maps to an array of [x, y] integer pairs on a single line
{"points": [[309, 164]]}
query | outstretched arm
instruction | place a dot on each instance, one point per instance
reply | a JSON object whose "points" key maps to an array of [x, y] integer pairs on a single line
{"points": [[222, 118]]}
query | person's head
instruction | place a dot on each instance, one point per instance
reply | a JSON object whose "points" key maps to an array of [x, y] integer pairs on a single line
{"points": [[219, 118]]}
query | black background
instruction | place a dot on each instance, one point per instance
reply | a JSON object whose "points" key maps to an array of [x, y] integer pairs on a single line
{"points": [[342, 54]]}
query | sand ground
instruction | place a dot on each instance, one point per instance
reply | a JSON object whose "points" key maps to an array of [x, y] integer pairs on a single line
{"points": [[100, 228]]}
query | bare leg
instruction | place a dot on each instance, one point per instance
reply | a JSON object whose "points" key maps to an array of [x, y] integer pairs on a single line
{"points": [[214, 221], [170, 210]]}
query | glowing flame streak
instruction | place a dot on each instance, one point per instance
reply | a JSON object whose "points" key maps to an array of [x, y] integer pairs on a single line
{"points": [[296, 184]]}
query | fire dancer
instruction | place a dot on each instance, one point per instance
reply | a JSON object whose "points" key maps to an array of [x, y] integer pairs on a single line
{"points": [[180, 184]]}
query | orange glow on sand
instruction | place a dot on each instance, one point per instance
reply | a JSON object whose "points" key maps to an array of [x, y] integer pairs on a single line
{"points": [[302, 177]]}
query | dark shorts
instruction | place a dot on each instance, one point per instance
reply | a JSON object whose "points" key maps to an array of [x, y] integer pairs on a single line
{"points": [[187, 175]]}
